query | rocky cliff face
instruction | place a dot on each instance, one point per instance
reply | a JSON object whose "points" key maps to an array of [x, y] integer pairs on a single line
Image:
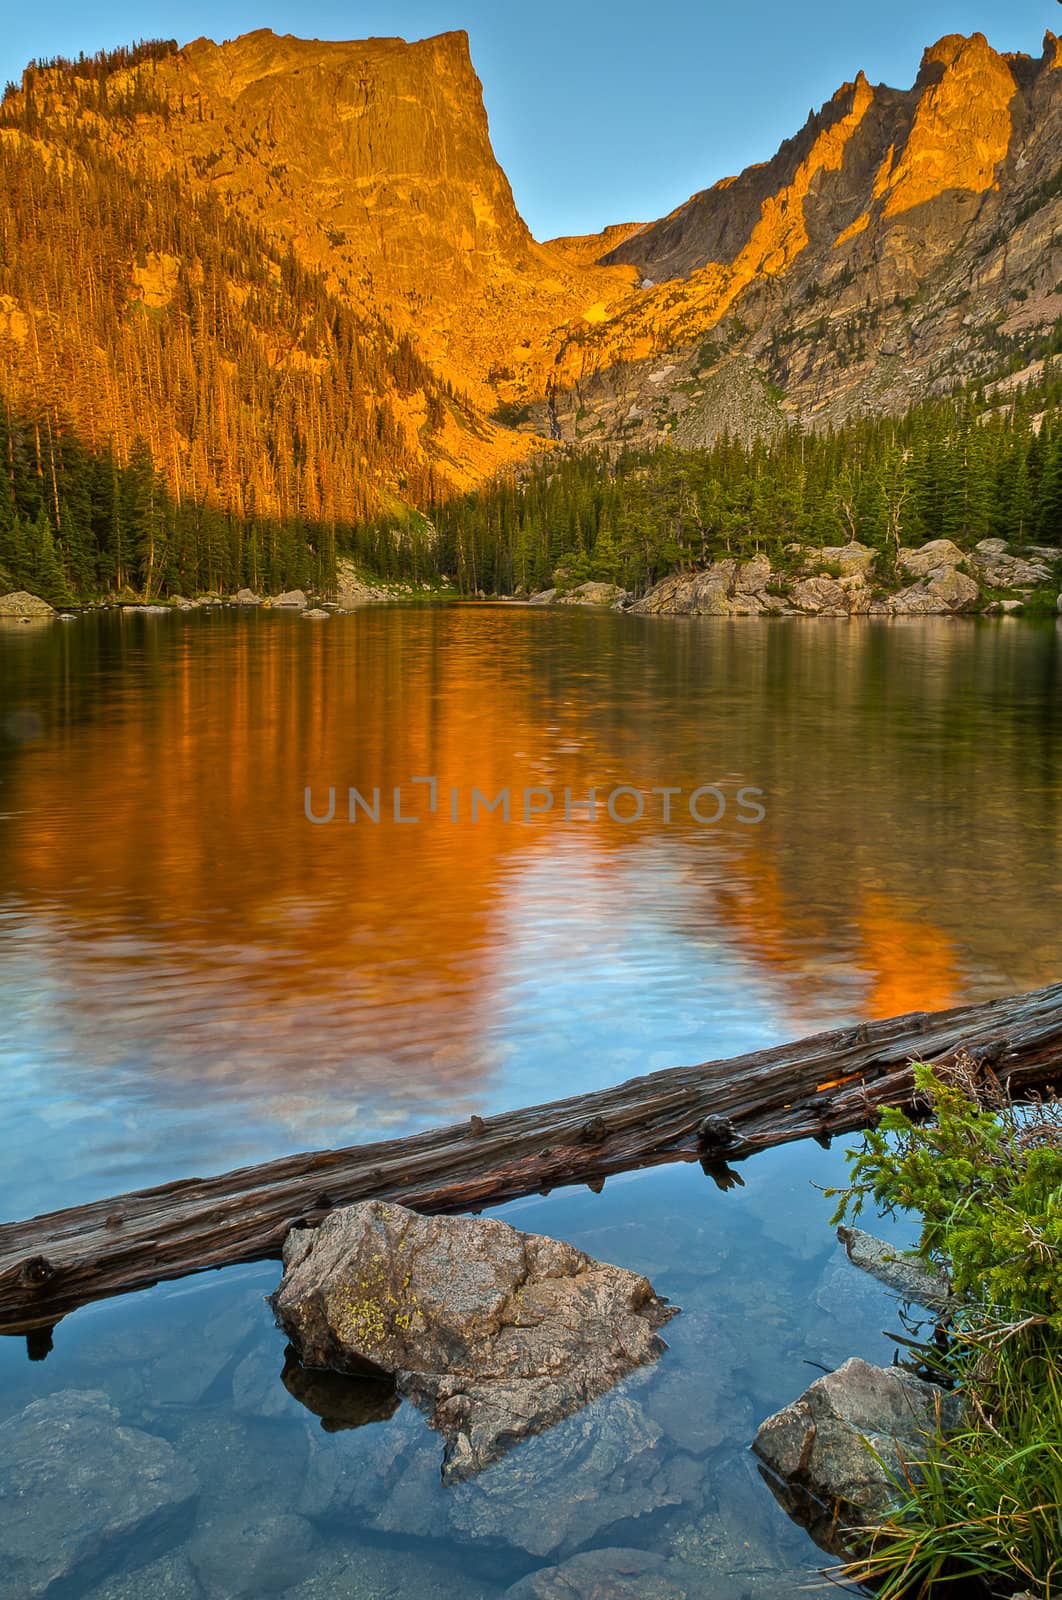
{"points": [[895, 244], [373, 160], [902, 239]]}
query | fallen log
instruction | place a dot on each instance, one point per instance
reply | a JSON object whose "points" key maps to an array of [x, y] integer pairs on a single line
{"points": [[817, 1087]]}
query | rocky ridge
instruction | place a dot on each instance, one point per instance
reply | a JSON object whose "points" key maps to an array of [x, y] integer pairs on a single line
{"points": [[903, 239], [893, 246]]}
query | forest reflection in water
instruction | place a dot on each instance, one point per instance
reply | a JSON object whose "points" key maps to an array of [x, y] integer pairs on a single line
{"points": [[177, 934], [194, 976]]}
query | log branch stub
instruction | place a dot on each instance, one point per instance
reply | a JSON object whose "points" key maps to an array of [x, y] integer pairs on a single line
{"points": [[35, 1273]]}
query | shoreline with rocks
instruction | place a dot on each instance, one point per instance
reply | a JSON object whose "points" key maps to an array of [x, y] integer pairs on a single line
{"points": [[934, 579], [842, 581]]}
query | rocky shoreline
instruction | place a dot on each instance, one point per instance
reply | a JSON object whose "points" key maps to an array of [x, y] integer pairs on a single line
{"points": [[351, 593], [936, 579]]}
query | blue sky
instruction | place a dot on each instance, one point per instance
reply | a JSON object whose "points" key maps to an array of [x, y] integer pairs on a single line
{"points": [[601, 110]]}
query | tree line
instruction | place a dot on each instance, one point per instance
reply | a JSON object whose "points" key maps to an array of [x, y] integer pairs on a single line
{"points": [[975, 465]]}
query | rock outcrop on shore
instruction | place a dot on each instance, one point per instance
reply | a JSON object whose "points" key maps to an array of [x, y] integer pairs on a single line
{"points": [[842, 581], [495, 1334], [19, 603]]}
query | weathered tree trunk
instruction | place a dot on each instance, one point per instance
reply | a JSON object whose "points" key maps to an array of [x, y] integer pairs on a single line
{"points": [[828, 1084]]}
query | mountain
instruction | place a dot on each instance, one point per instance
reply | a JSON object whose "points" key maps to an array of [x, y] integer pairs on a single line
{"points": [[296, 269], [901, 241]]}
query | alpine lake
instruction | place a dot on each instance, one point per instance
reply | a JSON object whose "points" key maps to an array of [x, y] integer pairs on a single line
{"points": [[196, 976]]}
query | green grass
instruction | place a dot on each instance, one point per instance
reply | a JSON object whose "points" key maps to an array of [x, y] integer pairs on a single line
{"points": [[988, 1508], [986, 1178]]}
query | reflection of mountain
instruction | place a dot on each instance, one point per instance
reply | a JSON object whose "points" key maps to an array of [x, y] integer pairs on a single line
{"points": [[182, 912]]}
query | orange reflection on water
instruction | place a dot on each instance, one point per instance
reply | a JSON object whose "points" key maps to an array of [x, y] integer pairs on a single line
{"points": [[913, 965], [188, 922]]}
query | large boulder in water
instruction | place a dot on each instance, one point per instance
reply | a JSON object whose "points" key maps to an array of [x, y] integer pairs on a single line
{"points": [[495, 1334]]}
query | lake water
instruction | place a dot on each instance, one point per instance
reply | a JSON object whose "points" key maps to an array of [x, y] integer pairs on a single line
{"points": [[193, 975]]}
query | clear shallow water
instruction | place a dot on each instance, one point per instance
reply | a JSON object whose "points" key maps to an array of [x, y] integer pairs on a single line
{"points": [[193, 976]]}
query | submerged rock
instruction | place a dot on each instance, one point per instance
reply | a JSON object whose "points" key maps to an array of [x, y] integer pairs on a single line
{"points": [[250, 1554], [905, 1277], [611, 1575], [316, 614], [19, 603], [842, 1446], [495, 1334], [591, 1473], [77, 1490], [171, 1577]]}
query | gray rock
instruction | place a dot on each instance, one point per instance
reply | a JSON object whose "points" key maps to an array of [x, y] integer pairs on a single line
{"points": [[247, 597], [1002, 571], [611, 1575], [19, 603], [823, 596], [67, 616], [595, 594], [937, 555], [849, 1431], [722, 589], [946, 591], [907, 1278], [495, 1334], [77, 1490], [545, 597], [852, 559], [249, 1554], [316, 614], [293, 599], [353, 591]]}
